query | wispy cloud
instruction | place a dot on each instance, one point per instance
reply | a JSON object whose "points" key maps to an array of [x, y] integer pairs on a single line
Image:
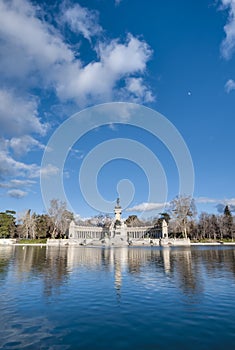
{"points": [[49, 170], [24, 144], [17, 194], [117, 2], [204, 200], [228, 44], [147, 207], [138, 90], [229, 86], [220, 207], [17, 183], [219, 203], [83, 21], [18, 115], [9, 167], [215, 200]]}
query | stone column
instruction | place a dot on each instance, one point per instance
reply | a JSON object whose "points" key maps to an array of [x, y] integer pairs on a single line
{"points": [[72, 229], [164, 229]]}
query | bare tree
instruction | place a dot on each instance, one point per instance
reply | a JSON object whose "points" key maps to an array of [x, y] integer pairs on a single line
{"points": [[204, 225], [100, 220], [182, 210], [28, 225], [60, 216]]}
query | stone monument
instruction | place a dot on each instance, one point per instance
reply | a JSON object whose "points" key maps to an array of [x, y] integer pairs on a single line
{"points": [[118, 211], [164, 229]]}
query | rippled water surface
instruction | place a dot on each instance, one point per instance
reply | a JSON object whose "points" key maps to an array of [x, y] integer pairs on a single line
{"points": [[127, 298]]}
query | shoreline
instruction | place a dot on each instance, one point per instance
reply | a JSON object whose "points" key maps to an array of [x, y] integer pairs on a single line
{"points": [[212, 244]]}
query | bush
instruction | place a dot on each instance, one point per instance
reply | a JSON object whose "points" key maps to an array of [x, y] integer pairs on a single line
{"points": [[33, 241]]}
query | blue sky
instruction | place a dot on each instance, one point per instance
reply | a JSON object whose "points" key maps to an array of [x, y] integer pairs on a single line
{"points": [[176, 57]]}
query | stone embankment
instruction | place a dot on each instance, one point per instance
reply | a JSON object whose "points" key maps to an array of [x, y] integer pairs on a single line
{"points": [[106, 242], [119, 242]]}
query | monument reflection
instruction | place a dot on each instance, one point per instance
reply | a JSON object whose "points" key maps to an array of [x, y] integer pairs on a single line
{"points": [[55, 266]]}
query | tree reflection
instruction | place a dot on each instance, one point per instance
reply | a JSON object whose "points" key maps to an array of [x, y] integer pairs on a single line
{"points": [[185, 272], [57, 272], [5, 260], [44, 263], [185, 267]]}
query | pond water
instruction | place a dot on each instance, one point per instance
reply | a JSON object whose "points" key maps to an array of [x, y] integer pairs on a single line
{"points": [[120, 298]]}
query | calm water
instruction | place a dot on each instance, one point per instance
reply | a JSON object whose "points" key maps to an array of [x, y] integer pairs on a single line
{"points": [[136, 298]]}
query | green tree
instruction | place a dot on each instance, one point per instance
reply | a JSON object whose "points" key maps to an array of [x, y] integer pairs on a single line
{"points": [[7, 224], [228, 222], [165, 216], [44, 226], [227, 212], [158, 221], [133, 221]]}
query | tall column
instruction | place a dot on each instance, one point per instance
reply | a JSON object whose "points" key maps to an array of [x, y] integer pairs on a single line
{"points": [[72, 229], [164, 229]]}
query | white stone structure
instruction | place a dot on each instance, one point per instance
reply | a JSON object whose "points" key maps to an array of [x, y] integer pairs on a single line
{"points": [[164, 229], [117, 234]]}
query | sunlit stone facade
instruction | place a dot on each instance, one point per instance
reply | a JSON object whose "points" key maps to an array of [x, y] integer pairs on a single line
{"points": [[118, 233]]}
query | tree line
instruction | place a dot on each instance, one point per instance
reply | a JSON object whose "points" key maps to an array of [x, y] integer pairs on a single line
{"points": [[181, 217], [184, 222], [29, 225]]}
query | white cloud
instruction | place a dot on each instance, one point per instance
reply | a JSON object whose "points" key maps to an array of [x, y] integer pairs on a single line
{"points": [[17, 183], [230, 201], [200, 200], [118, 2], [205, 200], [126, 58], [147, 207], [49, 170], [9, 167], [139, 90], [36, 43], [228, 44], [82, 20], [17, 193], [97, 81], [18, 116], [229, 86], [36, 57], [24, 144], [219, 203], [44, 59]]}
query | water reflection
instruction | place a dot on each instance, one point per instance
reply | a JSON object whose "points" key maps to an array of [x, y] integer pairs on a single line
{"points": [[186, 267], [5, 258], [132, 298]]}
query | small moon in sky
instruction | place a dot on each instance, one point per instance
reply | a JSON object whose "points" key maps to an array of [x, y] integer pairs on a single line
{"points": [[189, 93]]}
